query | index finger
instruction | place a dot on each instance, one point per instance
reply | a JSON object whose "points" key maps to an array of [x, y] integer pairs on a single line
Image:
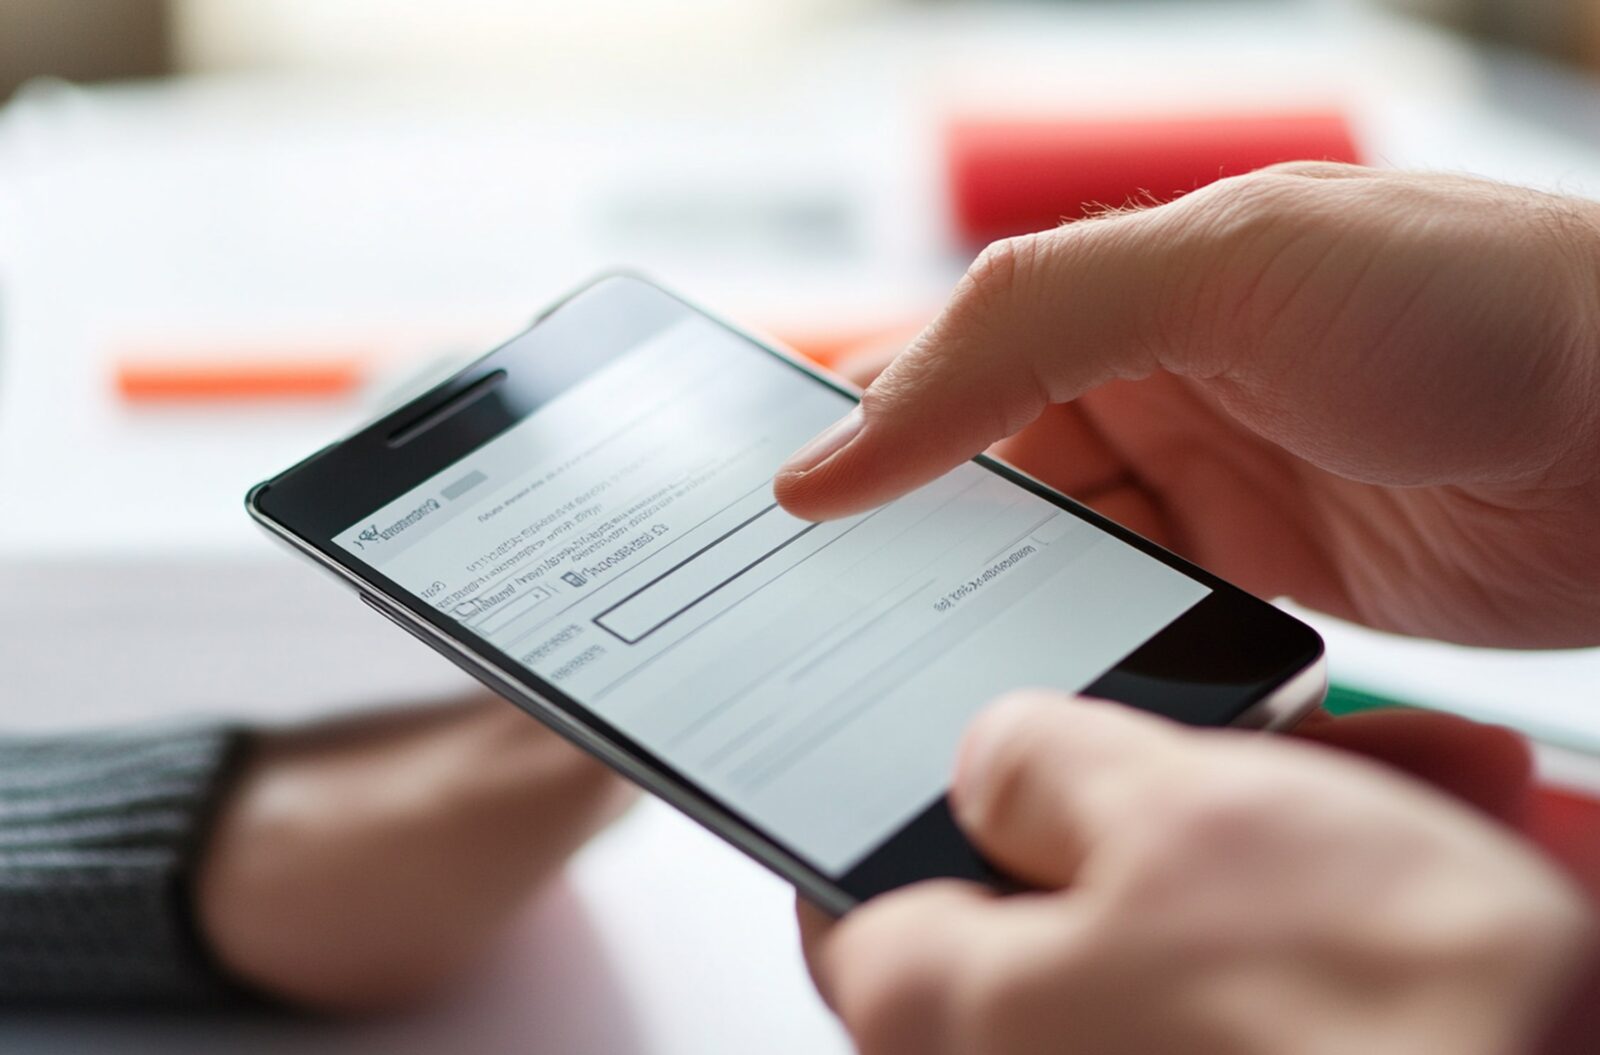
{"points": [[1037, 320]]}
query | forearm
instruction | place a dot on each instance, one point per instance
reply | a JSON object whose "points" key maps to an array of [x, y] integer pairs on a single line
{"points": [[99, 835], [349, 866]]}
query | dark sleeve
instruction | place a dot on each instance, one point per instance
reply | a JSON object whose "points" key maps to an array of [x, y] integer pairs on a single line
{"points": [[98, 836]]}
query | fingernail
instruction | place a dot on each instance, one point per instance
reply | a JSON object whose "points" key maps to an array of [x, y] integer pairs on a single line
{"points": [[825, 444]]}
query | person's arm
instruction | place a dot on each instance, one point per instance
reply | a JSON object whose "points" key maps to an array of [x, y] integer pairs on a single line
{"points": [[98, 838], [359, 865], [349, 866]]}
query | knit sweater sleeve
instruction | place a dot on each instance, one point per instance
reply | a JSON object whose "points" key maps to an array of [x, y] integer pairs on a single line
{"points": [[98, 837]]}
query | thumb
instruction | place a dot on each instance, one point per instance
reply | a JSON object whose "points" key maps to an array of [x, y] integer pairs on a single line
{"points": [[1045, 779], [1038, 319]]}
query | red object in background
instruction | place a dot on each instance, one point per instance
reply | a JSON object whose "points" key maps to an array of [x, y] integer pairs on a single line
{"points": [[831, 347], [1011, 177], [1567, 825]]}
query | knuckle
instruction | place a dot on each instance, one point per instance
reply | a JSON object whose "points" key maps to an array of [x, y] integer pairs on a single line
{"points": [[1267, 195], [877, 397], [1254, 241], [1313, 169], [1000, 269]]}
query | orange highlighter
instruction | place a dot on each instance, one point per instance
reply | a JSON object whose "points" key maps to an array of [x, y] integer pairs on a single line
{"points": [[141, 379]]}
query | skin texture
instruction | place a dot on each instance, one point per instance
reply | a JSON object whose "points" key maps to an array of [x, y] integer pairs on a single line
{"points": [[1378, 393], [358, 866], [1213, 893]]}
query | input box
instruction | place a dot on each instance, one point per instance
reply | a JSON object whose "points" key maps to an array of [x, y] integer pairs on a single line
{"points": [[701, 574]]}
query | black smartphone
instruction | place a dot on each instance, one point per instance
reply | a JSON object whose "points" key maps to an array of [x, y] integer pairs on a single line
{"points": [[583, 519]]}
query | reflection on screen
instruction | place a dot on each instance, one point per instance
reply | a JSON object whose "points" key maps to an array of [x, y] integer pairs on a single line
{"points": [[623, 545]]}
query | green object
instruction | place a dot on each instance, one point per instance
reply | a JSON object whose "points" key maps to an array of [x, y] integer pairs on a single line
{"points": [[1342, 699]]}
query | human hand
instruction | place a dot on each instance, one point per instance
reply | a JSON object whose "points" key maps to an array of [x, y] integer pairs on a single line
{"points": [[359, 865], [1205, 892], [1378, 393]]}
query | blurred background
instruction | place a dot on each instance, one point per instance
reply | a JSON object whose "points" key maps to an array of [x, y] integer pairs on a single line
{"points": [[231, 230]]}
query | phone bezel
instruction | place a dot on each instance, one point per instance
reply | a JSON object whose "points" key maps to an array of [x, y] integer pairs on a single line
{"points": [[1193, 669]]}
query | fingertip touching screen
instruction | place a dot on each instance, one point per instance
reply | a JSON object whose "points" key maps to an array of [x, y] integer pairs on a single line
{"points": [[622, 544]]}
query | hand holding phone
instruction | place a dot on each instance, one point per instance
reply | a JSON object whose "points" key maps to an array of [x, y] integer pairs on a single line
{"points": [[1372, 391], [1199, 891]]}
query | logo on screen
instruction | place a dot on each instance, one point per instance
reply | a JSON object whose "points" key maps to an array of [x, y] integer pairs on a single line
{"points": [[373, 534]]}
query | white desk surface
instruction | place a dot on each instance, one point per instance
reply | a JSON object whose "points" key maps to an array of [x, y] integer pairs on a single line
{"points": [[435, 215]]}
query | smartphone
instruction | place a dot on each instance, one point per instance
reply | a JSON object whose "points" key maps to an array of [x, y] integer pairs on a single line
{"points": [[583, 519]]}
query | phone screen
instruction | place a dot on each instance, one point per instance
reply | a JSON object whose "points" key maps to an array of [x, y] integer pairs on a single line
{"points": [[621, 543]]}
